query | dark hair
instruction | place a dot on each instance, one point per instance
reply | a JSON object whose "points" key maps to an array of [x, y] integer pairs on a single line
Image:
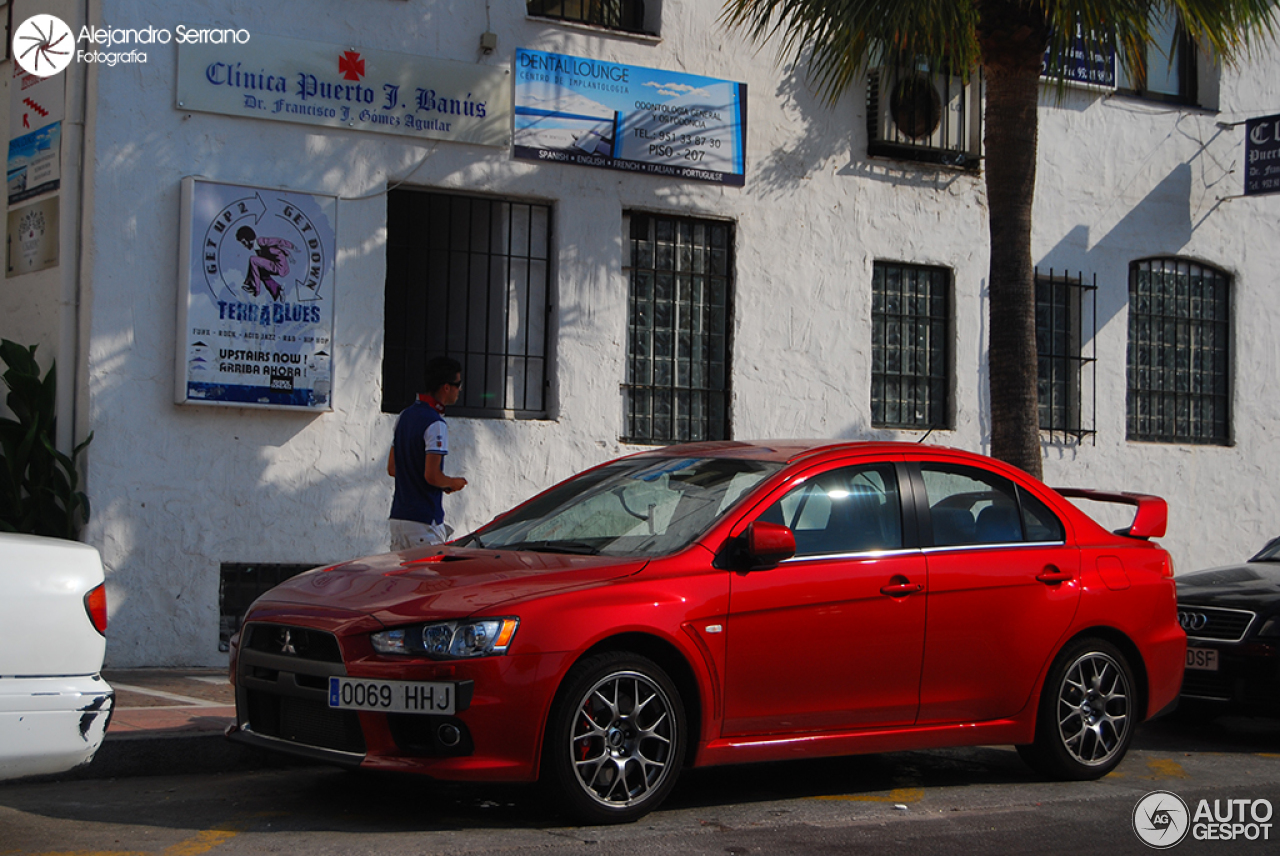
{"points": [[244, 233], [439, 371]]}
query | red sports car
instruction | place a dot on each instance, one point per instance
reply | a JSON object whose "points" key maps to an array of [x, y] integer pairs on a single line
{"points": [[721, 603]]}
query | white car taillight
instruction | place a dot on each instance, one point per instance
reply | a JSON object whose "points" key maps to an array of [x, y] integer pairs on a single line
{"points": [[95, 603]]}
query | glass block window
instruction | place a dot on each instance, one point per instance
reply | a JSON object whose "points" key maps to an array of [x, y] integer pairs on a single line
{"points": [[1061, 313], [680, 287], [910, 332], [468, 277], [1179, 353], [614, 14]]}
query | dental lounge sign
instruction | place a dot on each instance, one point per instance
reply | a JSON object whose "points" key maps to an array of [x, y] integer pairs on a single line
{"points": [[314, 83], [1262, 156]]}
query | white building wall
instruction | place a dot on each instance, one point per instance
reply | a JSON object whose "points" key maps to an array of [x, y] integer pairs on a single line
{"points": [[177, 491]]}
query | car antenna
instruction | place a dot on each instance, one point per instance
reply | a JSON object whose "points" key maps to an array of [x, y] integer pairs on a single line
{"points": [[926, 435]]}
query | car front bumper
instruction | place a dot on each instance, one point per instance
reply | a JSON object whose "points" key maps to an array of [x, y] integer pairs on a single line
{"points": [[1248, 676]]}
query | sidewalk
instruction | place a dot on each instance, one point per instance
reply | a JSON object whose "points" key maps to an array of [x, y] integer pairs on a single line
{"points": [[153, 703], [171, 722]]}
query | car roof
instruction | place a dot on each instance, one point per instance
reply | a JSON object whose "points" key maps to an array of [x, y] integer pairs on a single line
{"points": [[790, 451]]}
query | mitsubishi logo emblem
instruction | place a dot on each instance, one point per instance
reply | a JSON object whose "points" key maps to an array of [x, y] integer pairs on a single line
{"points": [[285, 638]]}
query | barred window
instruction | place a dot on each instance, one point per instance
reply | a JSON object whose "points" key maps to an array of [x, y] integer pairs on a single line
{"points": [[625, 15], [468, 277], [680, 288], [1063, 305], [1179, 353], [910, 331]]}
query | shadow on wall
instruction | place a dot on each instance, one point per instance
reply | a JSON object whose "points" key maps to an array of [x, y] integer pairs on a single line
{"points": [[1160, 224]]}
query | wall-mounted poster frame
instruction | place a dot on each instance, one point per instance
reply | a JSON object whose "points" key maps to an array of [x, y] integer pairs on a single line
{"points": [[256, 297]]}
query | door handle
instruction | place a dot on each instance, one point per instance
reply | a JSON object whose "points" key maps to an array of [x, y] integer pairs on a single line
{"points": [[1052, 575], [901, 589]]}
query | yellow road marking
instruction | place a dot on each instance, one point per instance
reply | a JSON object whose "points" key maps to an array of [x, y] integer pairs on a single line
{"points": [[202, 843], [1163, 768], [897, 795]]}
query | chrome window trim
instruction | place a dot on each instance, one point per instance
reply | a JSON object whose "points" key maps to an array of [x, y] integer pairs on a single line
{"points": [[998, 545], [862, 554]]}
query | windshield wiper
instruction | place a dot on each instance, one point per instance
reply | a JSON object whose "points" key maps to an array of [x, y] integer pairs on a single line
{"points": [[581, 548]]}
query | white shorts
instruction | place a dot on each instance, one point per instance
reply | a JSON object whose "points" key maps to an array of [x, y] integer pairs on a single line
{"points": [[410, 534]]}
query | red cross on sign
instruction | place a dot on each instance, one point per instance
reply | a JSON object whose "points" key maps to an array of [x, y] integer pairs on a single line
{"points": [[351, 65]]}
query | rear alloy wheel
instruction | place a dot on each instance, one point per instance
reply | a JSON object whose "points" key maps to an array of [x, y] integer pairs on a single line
{"points": [[1087, 713], [615, 739]]}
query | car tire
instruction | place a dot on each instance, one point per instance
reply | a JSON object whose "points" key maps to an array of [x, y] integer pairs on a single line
{"points": [[1087, 713], [615, 739]]}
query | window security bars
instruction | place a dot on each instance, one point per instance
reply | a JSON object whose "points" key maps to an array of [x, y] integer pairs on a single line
{"points": [[1179, 353], [916, 114], [240, 584], [625, 15], [1064, 305], [910, 332], [468, 277], [679, 292]]}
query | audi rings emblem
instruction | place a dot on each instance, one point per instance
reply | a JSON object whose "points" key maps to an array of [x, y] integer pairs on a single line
{"points": [[1192, 620]]}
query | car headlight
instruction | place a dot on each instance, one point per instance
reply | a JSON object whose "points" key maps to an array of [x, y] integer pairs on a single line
{"points": [[1271, 629], [449, 640]]}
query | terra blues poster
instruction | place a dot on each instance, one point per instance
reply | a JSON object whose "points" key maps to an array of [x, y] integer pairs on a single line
{"points": [[255, 311]]}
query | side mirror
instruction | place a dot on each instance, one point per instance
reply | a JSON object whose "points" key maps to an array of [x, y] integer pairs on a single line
{"points": [[768, 544]]}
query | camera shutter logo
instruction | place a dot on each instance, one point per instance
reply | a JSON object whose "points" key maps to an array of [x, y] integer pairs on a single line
{"points": [[1161, 820], [43, 45]]}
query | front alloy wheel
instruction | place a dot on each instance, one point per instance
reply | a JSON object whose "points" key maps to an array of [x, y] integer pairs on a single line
{"points": [[1087, 713], [615, 739]]}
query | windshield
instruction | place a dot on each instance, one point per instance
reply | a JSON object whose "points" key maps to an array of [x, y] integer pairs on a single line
{"points": [[634, 507], [1270, 553]]}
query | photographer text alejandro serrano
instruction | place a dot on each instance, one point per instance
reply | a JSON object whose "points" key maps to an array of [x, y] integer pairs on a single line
{"points": [[114, 36]]}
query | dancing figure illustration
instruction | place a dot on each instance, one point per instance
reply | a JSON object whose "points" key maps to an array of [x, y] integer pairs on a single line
{"points": [[270, 259]]}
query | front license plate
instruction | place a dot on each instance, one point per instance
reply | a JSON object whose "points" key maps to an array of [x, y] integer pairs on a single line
{"points": [[393, 696], [1204, 659]]}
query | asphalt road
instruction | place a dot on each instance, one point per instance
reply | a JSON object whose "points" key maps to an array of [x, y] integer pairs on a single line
{"points": [[981, 800]]}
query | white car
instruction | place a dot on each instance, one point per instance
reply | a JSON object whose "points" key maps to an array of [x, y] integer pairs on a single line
{"points": [[54, 704]]}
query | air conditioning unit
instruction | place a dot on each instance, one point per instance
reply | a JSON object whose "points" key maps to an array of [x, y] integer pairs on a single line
{"points": [[924, 116]]}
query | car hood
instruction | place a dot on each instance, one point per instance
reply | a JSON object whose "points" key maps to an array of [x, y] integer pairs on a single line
{"points": [[1251, 585], [443, 582]]}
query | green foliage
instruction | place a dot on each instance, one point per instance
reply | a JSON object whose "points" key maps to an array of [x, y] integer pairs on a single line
{"points": [[837, 39], [39, 486]]}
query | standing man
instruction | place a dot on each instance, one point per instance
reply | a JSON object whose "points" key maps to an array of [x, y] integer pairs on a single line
{"points": [[417, 458]]}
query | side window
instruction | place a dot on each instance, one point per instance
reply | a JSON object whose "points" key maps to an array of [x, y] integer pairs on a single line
{"points": [[849, 510], [1040, 523], [969, 506]]}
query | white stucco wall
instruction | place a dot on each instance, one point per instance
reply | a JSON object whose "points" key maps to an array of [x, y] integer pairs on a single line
{"points": [[179, 490]]}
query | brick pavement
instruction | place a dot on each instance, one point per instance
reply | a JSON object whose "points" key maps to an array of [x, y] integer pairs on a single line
{"points": [[169, 702]]}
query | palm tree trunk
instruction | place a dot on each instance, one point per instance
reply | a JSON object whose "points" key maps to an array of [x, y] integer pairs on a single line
{"points": [[1013, 37]]}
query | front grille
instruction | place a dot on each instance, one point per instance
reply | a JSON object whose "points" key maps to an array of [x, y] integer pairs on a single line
{"points": [[1202, 684], [1212, 622], [282, 690], [289, 641], [305, 721]]}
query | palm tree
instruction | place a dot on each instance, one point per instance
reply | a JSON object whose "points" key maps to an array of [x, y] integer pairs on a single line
{"points": [[839, 39]]}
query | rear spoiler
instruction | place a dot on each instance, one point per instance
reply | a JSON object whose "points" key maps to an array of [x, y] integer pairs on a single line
{"points": [[1150, 520]]}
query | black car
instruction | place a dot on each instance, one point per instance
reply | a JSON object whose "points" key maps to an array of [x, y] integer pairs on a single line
{"points": [[1232, 618]]}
